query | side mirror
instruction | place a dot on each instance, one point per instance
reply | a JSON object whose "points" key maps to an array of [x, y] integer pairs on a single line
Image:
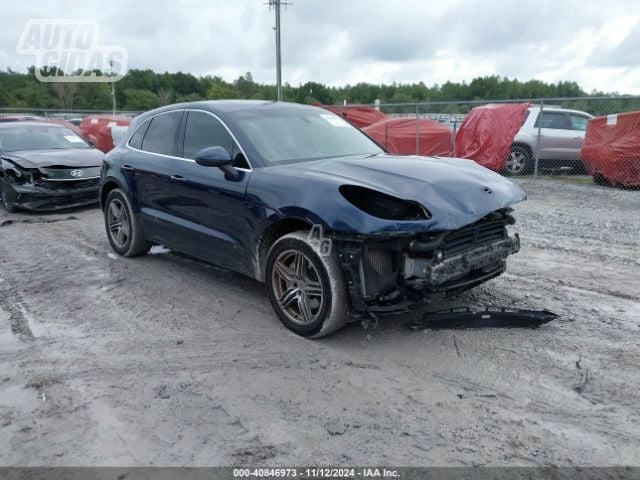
{"points": [[217, 157]]}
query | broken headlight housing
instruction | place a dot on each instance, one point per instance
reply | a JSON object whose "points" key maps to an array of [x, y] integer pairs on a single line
{"points": [[381, 205]]}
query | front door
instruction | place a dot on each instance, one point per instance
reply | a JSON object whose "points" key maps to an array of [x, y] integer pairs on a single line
{"points": [[211, 212]]}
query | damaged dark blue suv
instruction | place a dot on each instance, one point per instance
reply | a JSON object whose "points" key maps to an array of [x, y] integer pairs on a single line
{"points": [[296, 197]]}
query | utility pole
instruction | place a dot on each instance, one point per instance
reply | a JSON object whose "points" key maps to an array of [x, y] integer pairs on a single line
{"points": [[113, 88], [276, 4]]}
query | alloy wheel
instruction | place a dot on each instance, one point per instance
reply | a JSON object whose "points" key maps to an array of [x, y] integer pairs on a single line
{"points": [[118, 222], [297, 287], [516, 162]]}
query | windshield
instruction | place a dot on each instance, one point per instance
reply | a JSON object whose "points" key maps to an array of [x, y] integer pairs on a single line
{"points": [[298, 135], [38, 137]]}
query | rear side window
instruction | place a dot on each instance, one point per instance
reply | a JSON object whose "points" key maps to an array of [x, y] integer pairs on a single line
{"points": [[161, 134], [136, 139], [203, 131]]}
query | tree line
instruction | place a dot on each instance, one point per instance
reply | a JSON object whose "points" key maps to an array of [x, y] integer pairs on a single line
{"points": [[145, 89]]}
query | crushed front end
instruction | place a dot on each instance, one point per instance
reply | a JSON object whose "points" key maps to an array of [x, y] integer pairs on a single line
{"points": [[396, 272], [51, 188]]}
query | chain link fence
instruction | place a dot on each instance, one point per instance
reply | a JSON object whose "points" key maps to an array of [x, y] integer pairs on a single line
{"points": [[48, 113], [582, 140]]}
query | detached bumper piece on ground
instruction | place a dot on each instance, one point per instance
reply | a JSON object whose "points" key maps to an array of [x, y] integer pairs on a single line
{"points": [[490, 317]]}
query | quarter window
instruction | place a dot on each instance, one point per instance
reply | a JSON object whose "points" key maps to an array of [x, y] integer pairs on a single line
{"points": [[136, 138], [161, 134]]}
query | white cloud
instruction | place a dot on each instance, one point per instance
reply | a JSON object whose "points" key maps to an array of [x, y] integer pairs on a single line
{"points": [[339, 42]]}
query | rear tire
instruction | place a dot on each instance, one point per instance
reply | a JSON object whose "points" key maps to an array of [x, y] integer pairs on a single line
{"points": [[123, 230], [600, 179], [9, 206], [519, 161], [306, 289]]}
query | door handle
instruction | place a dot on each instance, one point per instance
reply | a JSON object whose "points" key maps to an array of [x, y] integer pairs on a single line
{"points": [[126, 168], [177, 178]]}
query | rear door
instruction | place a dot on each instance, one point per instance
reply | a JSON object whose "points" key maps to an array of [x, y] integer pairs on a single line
{"points": [[211, 214], [578, 126], [151, 166]]}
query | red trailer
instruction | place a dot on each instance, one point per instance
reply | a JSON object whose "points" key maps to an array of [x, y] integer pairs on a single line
{"points": [[611, 149]]}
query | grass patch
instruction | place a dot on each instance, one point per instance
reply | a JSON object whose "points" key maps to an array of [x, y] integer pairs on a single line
{"points": [[577, 179]]}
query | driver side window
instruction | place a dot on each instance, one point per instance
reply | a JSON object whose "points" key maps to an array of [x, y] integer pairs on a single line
{"points": [[202, 131]]}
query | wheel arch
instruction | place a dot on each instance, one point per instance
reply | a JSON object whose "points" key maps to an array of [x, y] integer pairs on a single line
{"points": [[524, 145], [269, 236], [106, 187]]}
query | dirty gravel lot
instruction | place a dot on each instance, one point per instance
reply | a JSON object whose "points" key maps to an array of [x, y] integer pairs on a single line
{"points": [[162, 360]]}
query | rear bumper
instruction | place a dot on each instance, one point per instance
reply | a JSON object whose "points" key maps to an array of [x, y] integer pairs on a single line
{"points": [[33, 198]]}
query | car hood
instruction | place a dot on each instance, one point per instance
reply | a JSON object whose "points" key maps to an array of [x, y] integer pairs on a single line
{"points": [[71, 157], [456, 192]]}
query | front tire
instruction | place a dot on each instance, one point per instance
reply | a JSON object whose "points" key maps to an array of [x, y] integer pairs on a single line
{"points": [[9, 206], [306, 289], [519, 161], [123, 230]]}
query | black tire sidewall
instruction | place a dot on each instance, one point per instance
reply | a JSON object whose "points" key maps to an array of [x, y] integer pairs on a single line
{"points": [[601, 180], [297, 244], [117, 193], [9, 206]]}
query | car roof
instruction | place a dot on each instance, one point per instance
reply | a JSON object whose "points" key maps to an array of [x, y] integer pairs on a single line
{"points": [[222, 107], [557, 109], [30, 123]]}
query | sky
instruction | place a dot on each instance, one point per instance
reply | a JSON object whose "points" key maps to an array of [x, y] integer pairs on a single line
{"points": [[339, 42]]}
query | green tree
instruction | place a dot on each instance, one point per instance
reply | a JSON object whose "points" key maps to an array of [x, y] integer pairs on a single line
{"points": [[139, 99]]}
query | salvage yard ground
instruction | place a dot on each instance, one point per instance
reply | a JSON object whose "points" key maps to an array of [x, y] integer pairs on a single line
{"points": [[167, 361]]}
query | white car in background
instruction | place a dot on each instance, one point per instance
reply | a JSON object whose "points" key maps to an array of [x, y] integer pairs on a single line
{"points": [[561, 135]]}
